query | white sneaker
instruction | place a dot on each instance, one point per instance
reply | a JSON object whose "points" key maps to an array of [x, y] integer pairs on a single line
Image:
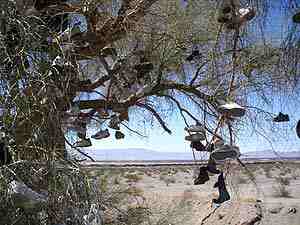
{"points": [[195, 137], [246, 14], [226, 152], [232, 109], [195, 128]]}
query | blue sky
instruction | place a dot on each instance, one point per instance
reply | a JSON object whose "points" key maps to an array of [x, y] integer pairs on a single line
{"points": [[283, 136]]}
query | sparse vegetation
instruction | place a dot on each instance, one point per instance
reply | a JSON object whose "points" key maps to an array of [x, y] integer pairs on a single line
{"points": [[281, 191], [132, 177], [283, 180]]}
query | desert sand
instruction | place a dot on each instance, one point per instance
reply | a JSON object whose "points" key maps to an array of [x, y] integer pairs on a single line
{"points": [[264, 194]]}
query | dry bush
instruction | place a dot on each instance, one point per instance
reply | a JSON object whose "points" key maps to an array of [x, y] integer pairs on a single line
{"points": [[283, 180], [281, 191], [132, 177], [167, 179]]}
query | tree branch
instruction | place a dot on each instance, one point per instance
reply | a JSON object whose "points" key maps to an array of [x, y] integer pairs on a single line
{"points": [[156, 115]]}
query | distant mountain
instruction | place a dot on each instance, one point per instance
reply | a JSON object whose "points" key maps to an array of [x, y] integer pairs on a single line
{"points": [[146, 154], [269, 154], [137, 154]]}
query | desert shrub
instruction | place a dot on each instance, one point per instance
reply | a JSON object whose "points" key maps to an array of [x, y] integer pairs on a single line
{"points": [[283, 180], [132, 177], [134, 191], [116, 180], [281, 191], [167, 179], [268, 169], [135, 215], [241, 180]]}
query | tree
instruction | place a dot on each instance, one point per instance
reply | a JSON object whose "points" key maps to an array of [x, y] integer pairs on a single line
{"points": [[128, 54]]}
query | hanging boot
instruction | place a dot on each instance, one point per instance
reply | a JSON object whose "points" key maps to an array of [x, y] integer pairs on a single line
{"points": [[202, 177], [223, 193], [212, 166]]}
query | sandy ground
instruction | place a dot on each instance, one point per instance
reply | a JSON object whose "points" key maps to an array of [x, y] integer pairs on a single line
{"points": [[273, 197]]}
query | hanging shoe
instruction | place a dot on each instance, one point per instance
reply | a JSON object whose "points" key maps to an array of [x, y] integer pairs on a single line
{"points": [[124, 116], [298, 129], [119, 135], [198, 146], [232, 109], [108, 51], [195, 137], [218, 142], [84, 143], [296, 17], [144, 68], [223, 193], [195, 128], [223, 19], [114, 123], [212, 167], [195, 53], [225, 152], [246, 14], [101, 134], [202, 177], [281, 118]]}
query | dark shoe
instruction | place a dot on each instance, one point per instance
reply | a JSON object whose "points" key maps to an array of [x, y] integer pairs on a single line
{"points": [[223, 19], [114, 123], [296, 17], [223, 193], [226, 9], [223, 197], [281, 118], [194, 54], [298, 129], [198, 146], [202, 177], [212, 167], [143, 68], [119, 135], [221, 182], [101, 134]]}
